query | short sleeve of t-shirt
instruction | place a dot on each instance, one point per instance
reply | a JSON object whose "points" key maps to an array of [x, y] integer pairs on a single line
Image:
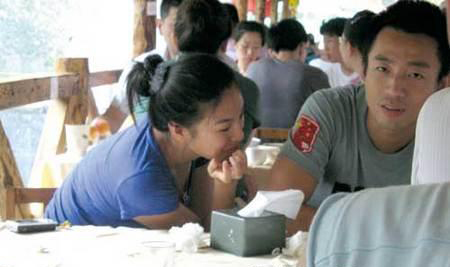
{"points": [[147, 193], [311, 140]]}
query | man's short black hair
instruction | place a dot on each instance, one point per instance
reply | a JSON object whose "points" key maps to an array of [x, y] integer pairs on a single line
{"points": [[249, 26], [415, 18], [286, 35], [333, 27], [166, 5], [201, 26]]}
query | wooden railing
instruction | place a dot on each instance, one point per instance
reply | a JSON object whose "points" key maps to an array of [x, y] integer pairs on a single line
{"points": [[71, 102]]}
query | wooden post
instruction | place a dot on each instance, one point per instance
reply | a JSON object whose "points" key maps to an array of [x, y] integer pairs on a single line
{"points": [[286, 12], [260, 12], [9, 176], [273, 12], [61, 111], [144, 36], [242, 9]]}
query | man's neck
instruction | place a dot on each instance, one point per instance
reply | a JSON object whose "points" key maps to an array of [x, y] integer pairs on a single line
{"points": [[286, 55], [347, 71], [387, 140]]}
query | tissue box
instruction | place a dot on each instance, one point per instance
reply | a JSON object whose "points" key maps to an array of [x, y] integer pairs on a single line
{"points": [[247, 236]]}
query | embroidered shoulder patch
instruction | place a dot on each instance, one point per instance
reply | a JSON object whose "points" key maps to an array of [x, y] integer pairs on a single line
{"points": [[305, 133]]}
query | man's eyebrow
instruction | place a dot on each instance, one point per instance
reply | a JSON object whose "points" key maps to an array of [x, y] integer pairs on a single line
{"points": [[420, 64], [223, 121], [415, 63], [382, 58]]}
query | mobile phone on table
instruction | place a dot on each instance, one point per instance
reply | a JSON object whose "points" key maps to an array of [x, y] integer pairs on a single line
{"points": [[31, 225]]}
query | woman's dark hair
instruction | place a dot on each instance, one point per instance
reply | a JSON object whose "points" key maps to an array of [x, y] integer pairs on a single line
{"points": [[286, 35], [232, 14], [201, 26], [357, 28], [179, 88], [139, 80], [416, 18], [249, 26]]}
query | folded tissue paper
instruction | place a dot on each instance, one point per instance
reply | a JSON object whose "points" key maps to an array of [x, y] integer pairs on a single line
{"points": [[257, 229], [285, 202]]}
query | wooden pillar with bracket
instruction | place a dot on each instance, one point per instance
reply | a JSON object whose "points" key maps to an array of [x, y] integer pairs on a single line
{"points": [[242, 9], [260, 11], [61, 111], [273, 12], [144, 33]]}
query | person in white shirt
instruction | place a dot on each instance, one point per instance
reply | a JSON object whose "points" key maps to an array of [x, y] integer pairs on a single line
{"points": [[431, 161], [338, 74], [118, 109]]}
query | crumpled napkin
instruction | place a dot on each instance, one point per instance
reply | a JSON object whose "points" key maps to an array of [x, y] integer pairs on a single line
{"points": [[294, 255], [285, 202], [187, 238]]}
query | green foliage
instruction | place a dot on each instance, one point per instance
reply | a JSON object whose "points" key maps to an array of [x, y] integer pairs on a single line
{"points": [[31, 34]]}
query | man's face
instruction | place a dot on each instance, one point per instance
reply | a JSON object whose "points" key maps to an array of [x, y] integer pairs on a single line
{"points": [[167, 29], [402, 72], [331, 44]]}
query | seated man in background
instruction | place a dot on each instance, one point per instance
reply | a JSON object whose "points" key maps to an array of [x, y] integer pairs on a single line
{"points": [[118, 109], [338, 74], [283, 79], [355, 137]]}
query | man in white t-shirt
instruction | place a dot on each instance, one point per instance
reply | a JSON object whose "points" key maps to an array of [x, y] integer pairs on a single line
{"points": [[338, 74], [118, 109]]}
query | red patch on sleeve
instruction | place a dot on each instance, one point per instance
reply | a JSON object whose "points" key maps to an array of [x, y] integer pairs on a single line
{"points": [[306, 133]]}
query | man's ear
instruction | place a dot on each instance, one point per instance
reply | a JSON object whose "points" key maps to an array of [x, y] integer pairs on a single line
{"points": [[178, 132], [444, 82], [159, 25]]}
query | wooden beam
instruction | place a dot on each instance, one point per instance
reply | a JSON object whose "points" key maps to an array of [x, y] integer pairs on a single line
{"points": [[104, 77], [242, 9], [15, 92], [144, 36], [286, 12], [9, 176], [80, 106], [273, 12], [260, 12], [61, 111]]}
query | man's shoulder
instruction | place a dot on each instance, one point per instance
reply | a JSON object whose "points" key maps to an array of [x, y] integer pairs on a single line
{"points": [[314, 71], [339, 97], [244, 83]]}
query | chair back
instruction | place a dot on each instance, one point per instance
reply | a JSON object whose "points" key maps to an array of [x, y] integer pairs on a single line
{"points": [[272, 134], [20, 195]]}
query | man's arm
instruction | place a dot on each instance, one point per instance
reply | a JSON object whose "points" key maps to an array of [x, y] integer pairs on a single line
{"points": [[286, 174]]}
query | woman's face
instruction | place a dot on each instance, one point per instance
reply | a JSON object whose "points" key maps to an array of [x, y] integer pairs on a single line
{"points": [[248, 48], [219, 133]]}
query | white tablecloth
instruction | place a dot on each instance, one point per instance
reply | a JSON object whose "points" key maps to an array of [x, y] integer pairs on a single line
{"points": [[104, 246]]}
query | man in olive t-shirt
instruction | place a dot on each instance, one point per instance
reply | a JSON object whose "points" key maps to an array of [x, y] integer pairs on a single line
{"points": [[405, 62]]}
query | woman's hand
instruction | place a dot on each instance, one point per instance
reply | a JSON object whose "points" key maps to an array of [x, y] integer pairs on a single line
{"points": [[229, 169]]}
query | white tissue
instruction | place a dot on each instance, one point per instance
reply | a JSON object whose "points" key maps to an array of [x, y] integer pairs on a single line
{"points": [[187, 238], [285, 202]]}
